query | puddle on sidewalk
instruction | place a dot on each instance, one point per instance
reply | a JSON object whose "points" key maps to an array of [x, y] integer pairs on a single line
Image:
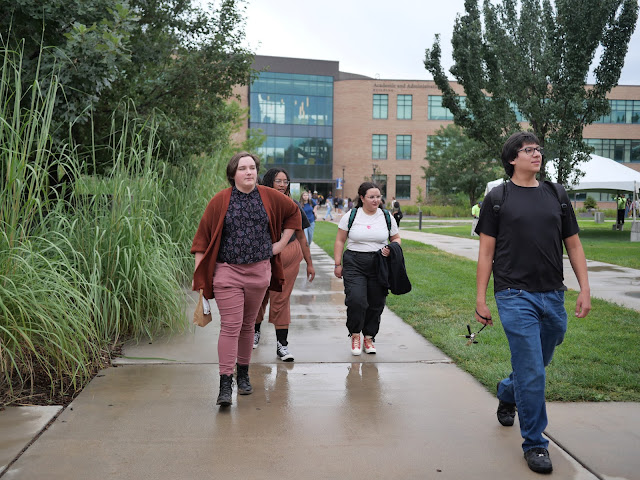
{"points": [[605, 269]]}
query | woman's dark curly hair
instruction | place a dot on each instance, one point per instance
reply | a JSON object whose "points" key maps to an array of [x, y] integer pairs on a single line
{"points": [[269, 178], [362, 191]]}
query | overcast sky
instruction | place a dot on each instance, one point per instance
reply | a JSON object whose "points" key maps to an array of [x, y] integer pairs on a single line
{"points": [[378, 38]]}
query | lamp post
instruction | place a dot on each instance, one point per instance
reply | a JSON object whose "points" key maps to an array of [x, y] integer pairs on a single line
{"points": [[375, 169]]}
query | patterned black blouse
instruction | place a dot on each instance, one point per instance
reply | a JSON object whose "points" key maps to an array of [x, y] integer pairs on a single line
{"points": [[245, 233]]}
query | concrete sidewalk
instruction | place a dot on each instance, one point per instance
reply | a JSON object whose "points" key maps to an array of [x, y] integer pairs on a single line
{"points": [[406, 413]]}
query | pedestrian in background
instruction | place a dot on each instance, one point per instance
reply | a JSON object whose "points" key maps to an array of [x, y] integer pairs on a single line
{"points": [[242, 228], [310, 209], [366, 237], [329, 203], [397, 211], [621, 203]]}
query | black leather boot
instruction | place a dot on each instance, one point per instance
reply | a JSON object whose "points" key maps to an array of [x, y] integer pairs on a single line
{"points": [[242, 379], [226, 389]]}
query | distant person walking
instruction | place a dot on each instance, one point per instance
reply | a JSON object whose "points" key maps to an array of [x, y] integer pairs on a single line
{"points": [[521, 243], [368, 236], [329, 203], [621, 203], [310, 209], [397, 212], [237, 250], [475, 210], [475, 213]]}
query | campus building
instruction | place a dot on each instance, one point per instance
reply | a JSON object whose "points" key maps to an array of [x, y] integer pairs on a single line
{"points": [[322, 125]]}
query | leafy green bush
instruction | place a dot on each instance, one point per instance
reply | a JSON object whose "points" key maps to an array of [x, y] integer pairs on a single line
{"points": [[590, 202]]}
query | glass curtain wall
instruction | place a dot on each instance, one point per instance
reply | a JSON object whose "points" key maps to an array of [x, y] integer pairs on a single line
{"points": [[295, 112]]}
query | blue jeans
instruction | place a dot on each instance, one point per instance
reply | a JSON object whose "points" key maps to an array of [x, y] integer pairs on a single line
{"points": [[308, 232], [535, 323]]}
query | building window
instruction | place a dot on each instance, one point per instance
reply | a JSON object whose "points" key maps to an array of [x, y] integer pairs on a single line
{"points": [[619, 150], [291, 99], [403, 187], [381, 181], [380, 106], [379, 147], [437, 112], [622, 111], [403, 147], [404, 107], [295, 112]]}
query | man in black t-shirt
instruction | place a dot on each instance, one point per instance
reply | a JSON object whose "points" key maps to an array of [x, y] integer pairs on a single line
{"points": [[522, 227]]}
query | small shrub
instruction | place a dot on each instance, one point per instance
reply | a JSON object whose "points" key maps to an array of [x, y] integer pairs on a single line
{"points": [[590, 202]]}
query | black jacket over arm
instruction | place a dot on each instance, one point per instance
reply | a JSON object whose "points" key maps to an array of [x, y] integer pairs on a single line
{"points": [[392, 272]]}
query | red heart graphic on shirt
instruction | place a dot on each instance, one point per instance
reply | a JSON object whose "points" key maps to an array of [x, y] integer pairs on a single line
{"points": [[369, 227]]}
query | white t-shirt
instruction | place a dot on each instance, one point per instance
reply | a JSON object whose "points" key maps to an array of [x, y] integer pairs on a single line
{"points": [[369, 233]]}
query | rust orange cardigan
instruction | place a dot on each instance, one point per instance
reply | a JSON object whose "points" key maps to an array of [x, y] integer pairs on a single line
{"points": [[282, 212]]}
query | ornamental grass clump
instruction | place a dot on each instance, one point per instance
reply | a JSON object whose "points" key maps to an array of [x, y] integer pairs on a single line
{"points": [[85, 261]]}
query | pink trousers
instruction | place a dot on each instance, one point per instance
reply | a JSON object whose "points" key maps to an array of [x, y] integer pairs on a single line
{"points": [[238, 290]]}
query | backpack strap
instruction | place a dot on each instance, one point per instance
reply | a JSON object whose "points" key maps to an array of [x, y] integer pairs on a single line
{"points": [[555, 188], [354, 211], [387, 217], [499, 199], [352, 217]]}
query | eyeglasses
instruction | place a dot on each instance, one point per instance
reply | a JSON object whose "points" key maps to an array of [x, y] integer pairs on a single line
{"points": [[374, 197], [529, 150], [281, 182]]}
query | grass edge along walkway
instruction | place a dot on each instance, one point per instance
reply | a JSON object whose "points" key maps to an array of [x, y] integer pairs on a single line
{"points": [[599, 241], [598, 360]]}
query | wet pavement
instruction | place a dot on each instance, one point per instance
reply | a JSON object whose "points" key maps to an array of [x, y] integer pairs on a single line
{"points": [[407, 412]]}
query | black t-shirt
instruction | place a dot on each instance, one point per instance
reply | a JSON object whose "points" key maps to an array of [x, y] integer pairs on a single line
{"points": [[529, 230]]}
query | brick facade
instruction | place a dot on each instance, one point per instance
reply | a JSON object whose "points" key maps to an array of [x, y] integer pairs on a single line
{"points": [[354, 125]]}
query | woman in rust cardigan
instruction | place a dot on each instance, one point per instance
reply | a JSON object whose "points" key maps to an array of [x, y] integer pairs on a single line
{"points": [[237, 257]]}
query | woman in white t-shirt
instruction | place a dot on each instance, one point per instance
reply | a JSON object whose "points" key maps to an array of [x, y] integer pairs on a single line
{"points": [[368, 235]]}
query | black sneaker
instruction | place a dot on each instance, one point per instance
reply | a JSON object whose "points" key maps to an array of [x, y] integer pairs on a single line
{"points": [[538, 460], [283, 353], [506, 412]]}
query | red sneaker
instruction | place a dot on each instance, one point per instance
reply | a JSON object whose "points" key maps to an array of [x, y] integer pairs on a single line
{"points": [[356, 349], [369, 347]]}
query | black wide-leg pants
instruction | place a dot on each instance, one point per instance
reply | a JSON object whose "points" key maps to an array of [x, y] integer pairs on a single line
{"points": [[365, 295]]}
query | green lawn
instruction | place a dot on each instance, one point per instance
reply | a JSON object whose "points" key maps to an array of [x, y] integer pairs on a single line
{"points": [[599, 241], [597, 362]]}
